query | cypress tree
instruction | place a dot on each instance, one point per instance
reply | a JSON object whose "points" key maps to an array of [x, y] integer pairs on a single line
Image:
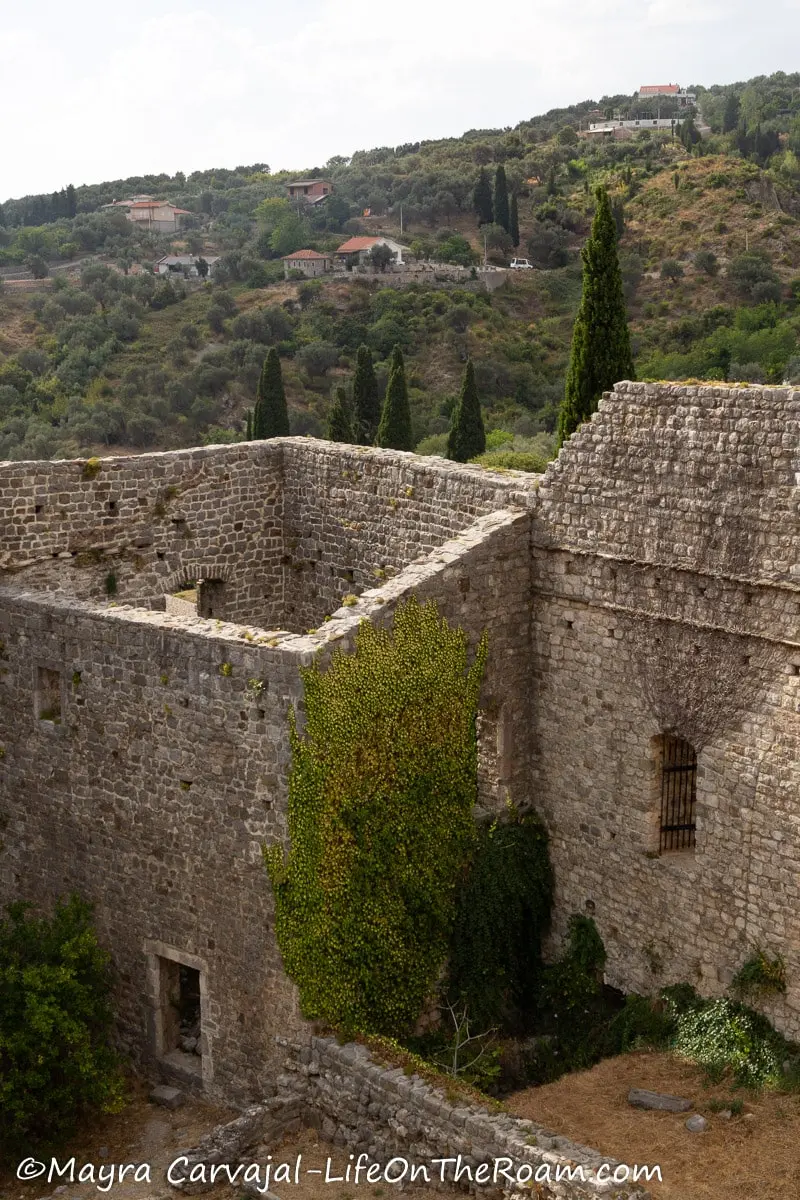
{"points": [[501, 213], [340, 419], [270, 415], [482, 200], [514, 220], [394, 431], [467, 438], [366, 400], [248, 416], [601, 344]]}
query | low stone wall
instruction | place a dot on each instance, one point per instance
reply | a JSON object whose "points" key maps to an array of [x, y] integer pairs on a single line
{"points": [[382, 1112]]}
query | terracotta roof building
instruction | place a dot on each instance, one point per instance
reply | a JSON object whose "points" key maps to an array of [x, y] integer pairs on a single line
{"points": [[310, 262], [356, 250]]}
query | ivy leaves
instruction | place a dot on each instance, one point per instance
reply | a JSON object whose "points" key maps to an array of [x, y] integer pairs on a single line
{"points": [[381, 793]]}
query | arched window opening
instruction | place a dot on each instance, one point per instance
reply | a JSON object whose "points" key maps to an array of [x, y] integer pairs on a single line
{"points": [[678, 794]]}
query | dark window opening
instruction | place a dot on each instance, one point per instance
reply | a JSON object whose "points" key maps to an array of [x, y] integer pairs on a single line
{"points": [[48, 695], [678, 795], [211, 598]]}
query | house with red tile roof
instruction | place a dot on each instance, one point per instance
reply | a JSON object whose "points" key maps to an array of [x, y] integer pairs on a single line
{"points": [[356, 251], [310, 262], [148, 213]]}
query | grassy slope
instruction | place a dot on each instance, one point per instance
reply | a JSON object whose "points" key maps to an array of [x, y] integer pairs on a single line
{"points": [[721, 203]]}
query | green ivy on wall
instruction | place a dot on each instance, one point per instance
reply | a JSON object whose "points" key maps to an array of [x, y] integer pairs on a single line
{"points": [[503, 913], [381, 792]]}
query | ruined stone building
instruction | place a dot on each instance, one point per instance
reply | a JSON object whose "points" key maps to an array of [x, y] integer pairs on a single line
{"points": [[643, 690]]}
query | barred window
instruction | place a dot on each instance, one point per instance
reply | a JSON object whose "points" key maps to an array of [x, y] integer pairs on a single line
{"points": [[678, 794]]}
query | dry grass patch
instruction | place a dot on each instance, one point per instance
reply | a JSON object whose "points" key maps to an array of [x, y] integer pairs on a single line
{"points": [[753, 1156]]}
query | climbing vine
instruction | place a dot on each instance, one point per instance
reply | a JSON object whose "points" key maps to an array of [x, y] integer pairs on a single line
{"points": [[381, 792], [503, 913]]}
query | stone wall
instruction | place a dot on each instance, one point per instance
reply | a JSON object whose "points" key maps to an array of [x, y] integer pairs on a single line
{"points": [[354, 517], [649, 582], [140, 527], [699, 477], [384, 1112], [150, 793], [145, 759], [666, 598]]}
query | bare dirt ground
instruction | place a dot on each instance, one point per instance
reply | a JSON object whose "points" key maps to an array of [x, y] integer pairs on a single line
{"points": [[147, 1133], [753, 1156]]}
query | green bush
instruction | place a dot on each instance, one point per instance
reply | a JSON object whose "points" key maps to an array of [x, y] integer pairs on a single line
{"points": [[381, 791], [512, 460], [56, 1065], [727, 1038], [760, 975]]}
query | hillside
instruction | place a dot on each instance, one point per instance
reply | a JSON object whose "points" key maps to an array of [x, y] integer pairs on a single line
{"points": [[102, 354]]}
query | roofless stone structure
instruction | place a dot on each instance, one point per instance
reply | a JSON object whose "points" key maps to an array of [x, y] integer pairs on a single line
{"points": [[643, 690]]}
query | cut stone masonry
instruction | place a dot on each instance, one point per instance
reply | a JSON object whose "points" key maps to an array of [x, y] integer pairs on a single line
{"points": [[144, 754]]}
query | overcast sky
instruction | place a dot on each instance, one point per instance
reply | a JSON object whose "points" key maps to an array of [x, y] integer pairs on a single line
{"points": [[95, 90]]}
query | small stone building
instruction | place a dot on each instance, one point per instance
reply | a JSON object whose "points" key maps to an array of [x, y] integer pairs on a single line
{"points": [[642, 599], [310, 262]]}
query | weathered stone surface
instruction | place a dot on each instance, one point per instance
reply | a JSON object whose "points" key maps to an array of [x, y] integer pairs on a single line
{"points": [[640, 1098], [421, 1124], [167, 1097], [697, 1124], [675, 508]]}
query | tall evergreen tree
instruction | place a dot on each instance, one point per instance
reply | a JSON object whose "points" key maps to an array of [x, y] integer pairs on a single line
{"points": [[467, 436], [514, 221], [482, 200], [366, 400], [248, 417], [730, 117], [270, 415], [601, 345], [340, 419], [72, 204], [394, 431], [501, 212]]}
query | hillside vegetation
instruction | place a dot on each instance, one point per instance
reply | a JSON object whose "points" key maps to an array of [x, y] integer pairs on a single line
{"points": [[105, 354]]}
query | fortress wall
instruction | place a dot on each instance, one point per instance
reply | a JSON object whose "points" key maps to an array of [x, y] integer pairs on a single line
{"points": [[695, 915], [354, 516], [666, 599], [151, 798], [154, 522], [153, 787], [701, 477]]}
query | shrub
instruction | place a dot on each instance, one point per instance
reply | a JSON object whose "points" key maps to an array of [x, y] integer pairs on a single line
{"points": [[575, 978], [753, 277], [512, 460], [381, 790], [671, 269], [56, 1064], [760, 976], [725, 1037], [706, 260]]}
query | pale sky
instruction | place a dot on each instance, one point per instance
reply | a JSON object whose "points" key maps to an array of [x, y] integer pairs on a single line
{"points": [[94, 90]]}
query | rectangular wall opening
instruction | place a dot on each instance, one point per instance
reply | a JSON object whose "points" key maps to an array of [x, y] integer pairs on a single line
{"points": [[181, 1016], [48, 695], [211, 598]]}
